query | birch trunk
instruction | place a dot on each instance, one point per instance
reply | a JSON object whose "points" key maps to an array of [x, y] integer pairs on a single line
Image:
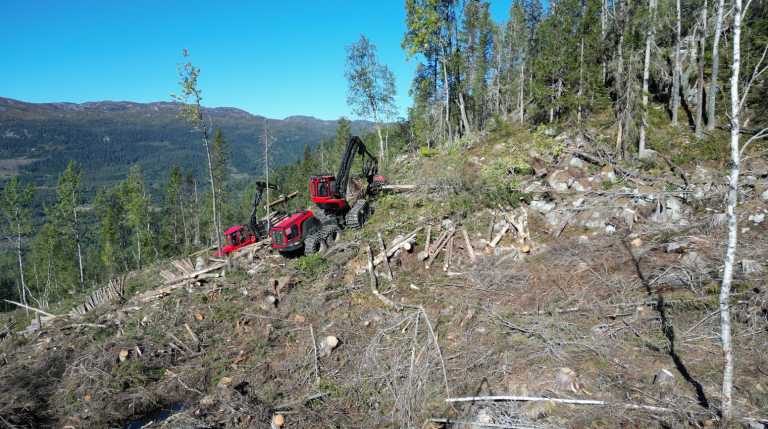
{"points": [[715, 67], [581, 78], [646, 77], [730, 254], [676, 75], [700, 91], [522, 90]]}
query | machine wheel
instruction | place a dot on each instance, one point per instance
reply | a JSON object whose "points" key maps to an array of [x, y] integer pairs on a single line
{"points": [[314, 244], [358, 214], [331, 233]]}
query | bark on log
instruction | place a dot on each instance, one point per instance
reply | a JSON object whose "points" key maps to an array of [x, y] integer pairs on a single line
{"points": [[438, 243], [195, 273], [561, 400], [398, 187], [440, 246], [385, 260], [499, 235], [191, 334], [31, 308], [448, 254], [490, 228], [281, 200], [470, 250]]}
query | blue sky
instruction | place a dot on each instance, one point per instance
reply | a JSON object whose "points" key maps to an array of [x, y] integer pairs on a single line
{"points": [[270, 58]]}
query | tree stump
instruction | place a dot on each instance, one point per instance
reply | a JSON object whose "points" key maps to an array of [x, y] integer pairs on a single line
{"points": [[566, 380], [663, 377], [123, 355], [327, 345]]}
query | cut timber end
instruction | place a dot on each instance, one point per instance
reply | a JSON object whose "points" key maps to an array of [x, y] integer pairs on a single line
{"points": [[663, 377], [278, 420]]}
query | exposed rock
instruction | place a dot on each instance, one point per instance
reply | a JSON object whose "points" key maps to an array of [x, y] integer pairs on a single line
{"points": [[756, 218], [542, 207], [576, 162], [560, 180], [764, 196], [674, 210], [607, 173], [501, 250], [597, 219], [584, 185], [535, 187], [701, 175], [475, 160], [578, 203], [539, 167]]}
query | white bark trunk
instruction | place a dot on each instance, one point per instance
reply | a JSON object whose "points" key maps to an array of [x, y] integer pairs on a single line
{"points": [[700, 92], [646, 77], [730, 254], [676, 75], [715, 67]]}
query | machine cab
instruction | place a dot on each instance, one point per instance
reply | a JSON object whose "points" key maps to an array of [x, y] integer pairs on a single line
{"points": [[320, 188], [235, 238], [290, 234]]}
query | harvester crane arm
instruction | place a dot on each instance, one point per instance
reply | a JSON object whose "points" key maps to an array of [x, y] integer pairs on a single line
{"points": [[369, 162], [260, 187]]}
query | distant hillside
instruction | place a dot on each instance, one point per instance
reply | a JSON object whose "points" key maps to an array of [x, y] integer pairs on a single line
{"points": [[107, 137]]}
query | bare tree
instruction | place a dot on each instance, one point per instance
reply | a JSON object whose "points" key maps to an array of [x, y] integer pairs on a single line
{"points": [[715, 66], [646, 75], [700, 91], [738, 99], [676, 75]]}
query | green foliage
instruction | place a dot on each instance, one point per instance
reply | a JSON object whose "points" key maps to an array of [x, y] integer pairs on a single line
{"points": [[427, 152], [313, 264]]}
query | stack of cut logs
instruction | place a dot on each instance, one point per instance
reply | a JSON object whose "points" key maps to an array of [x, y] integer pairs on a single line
{"points": [[445, 243], [173, 281], [100, 296]]}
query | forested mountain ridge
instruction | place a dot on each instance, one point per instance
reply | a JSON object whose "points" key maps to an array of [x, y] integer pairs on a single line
{"points": [[107, 137]]}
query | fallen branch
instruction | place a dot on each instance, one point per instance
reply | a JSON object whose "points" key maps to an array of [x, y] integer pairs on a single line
{"points": [[561, 400], [466, 422], [30, 308]]}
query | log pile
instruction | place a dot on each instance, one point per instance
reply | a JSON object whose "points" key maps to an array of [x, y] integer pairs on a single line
{"points": [[174, 281], [7, 330], [114, 289]]}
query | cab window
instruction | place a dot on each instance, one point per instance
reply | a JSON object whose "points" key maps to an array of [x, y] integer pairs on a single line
{"points": [[292, 232], [322, 189]]}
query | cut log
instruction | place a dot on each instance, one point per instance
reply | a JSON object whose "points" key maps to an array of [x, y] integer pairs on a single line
{"points": [[440, 246], [470, 250], [327, 345], [663, 377], [191, 334], [31, 308], [282, 200], [499, 235], [429, 238], [385, 260], [277, 421], [398, 187], [203, 251], [490, 229], [196, 273], [438, 243], [123, 355], [448, 254], [750, 266], [224, 382]]}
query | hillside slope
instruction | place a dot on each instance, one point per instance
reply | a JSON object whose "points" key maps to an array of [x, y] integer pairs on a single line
{"points": [[107, 137], [608, 275]]}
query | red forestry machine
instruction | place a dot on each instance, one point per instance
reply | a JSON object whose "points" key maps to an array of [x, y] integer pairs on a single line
{"points": [[313, 231], [256, 229]]}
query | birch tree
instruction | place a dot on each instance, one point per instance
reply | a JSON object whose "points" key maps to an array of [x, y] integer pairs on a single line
{"points": [[371, 85], [192, 111], [70, 191], [16, 209], [646, 75], [715, 66], [738, 99]]}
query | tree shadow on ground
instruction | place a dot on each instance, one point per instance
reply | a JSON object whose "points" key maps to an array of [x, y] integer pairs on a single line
{"points": [[668, 331]]}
